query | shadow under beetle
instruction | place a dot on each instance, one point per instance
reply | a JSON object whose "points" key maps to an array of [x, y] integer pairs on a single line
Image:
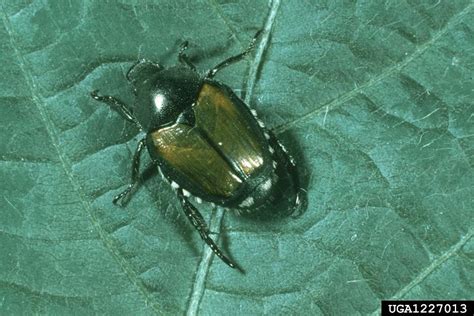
{"points": [[205, 141]]}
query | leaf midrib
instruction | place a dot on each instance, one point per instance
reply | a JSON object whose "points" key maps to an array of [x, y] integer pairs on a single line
{"points": [[198, 289]]}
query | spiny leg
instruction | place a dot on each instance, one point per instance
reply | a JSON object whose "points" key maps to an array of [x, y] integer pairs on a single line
{"points": [[125, 194], [212, 72], [117, 105], [200, 224], [127, 114], [183, 58], [292, 171]]}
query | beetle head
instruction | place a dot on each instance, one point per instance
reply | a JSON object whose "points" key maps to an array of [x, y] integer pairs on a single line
{"points": [[162, 95]]}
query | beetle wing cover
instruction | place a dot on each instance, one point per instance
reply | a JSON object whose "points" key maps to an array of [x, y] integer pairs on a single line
{"points": [[184, 149], [223, 148], [228, 123]]}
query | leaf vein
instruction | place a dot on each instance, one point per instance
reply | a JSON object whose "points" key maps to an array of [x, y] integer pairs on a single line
{"points": [[38, 101], [430, 268], [386, 73]]}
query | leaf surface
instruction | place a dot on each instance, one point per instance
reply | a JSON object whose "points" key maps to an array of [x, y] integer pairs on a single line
{"points": [[375, 100]]}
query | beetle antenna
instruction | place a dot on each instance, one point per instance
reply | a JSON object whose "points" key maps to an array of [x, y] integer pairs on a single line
{"points": [[183, 58]]}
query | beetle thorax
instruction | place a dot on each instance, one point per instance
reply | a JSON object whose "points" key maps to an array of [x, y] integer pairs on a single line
{"points": [[162, 98]]}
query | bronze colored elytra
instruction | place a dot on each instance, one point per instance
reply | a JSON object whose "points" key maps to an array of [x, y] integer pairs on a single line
{"points": [[220, 152]]}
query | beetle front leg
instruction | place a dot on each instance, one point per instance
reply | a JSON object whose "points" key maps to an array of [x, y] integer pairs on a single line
{"points": [[212, 72], [117, 105], [200, 224], [125, 195]]}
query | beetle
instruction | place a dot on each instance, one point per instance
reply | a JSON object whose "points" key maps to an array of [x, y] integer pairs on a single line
{"points": [[205, 141]]}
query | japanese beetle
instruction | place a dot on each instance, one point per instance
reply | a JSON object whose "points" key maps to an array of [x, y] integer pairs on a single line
{"points": [[205, 141]]}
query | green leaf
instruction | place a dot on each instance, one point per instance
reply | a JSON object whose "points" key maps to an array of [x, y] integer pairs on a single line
{"points": [[375, 100]]}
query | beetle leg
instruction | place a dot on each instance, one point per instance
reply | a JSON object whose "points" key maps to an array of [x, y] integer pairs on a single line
{"points": [[212, 72], [117, 105], [200, 224], [125, 194], [292, 171], [183, 58]]}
